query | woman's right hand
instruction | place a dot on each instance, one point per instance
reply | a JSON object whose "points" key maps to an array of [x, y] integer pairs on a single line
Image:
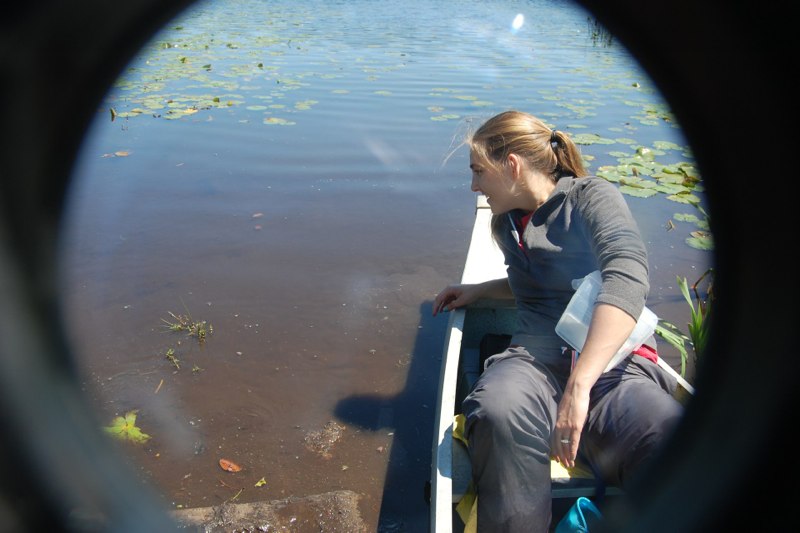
{"points": [[456, 296]]}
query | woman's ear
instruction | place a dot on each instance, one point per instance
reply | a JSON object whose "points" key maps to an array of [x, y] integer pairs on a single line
{"points": [[515, 165]]}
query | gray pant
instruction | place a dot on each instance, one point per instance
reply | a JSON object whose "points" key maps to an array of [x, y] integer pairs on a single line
{"points": [[511, 413]]}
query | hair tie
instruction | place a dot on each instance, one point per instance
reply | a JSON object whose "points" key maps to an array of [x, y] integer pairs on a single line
{"points": [[554, 139], [554, 145]]}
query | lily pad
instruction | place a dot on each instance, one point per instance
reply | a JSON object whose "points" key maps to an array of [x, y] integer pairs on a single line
{"points": [[124, 428], [671, 188], [639, 192], [278, 121], [591, 138], [701, 223], [701, 240], [664, 145], [305, 105], [684, 198]]}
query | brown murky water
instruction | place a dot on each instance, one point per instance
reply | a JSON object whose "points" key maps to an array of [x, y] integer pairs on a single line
{"points": [[314, 250]]}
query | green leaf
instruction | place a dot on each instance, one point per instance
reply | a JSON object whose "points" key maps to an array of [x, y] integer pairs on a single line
{"points": [[700, 240], [665, 145], [686, 217], [672, 188], [639, 192], [684, 198], [591, 138], [675, 338], [124, 428]]}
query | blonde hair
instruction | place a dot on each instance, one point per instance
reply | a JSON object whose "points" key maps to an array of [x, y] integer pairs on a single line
{"points": [[551, 152]]}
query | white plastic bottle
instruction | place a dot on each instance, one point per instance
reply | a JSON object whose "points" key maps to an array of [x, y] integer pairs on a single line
{"points": [[573, 325]]}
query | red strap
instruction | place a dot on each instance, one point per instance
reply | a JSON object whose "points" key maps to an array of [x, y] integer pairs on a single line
{"points": [[647, 352]]}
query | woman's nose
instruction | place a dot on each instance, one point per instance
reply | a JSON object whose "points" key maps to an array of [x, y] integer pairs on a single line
{"points": [[474, 185]]}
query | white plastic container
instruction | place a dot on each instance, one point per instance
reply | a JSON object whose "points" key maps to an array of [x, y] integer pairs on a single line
{"points": [[574, 323]]}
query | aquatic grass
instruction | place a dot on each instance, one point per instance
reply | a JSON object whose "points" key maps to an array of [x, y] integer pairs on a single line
{"points": [[699, 323], [675, 338], [200, 329], [173, 359]]}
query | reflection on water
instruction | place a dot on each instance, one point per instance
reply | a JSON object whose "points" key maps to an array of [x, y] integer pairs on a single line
{"points": [[277, 170]]}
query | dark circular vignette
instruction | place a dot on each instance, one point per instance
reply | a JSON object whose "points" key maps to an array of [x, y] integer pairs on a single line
{"points": [[719, 67]]}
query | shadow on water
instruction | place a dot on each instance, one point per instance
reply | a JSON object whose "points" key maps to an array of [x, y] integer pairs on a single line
{"points": [[410, 416]]}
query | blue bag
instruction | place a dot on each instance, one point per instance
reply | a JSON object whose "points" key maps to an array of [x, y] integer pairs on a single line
{"points": [[580, 517]]}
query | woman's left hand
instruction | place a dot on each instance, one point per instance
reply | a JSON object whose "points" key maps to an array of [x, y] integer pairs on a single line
{"points": [[566, 437]]}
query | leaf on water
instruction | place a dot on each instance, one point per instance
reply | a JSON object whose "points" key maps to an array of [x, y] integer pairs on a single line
{"points": [[445, 117], [671, 174], [609, 173], [384, 93], [591, 138], [305, 105], [124, 428], [671, 188], [113, 113], [638, 192], [229, 466], [684, 198], [278, 121], [686, 217], [701, 240], [261, 482], [665, 145]]}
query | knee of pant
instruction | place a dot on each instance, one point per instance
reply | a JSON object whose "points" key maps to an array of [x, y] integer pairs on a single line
{"points": [[503, 413], [488, 409]]}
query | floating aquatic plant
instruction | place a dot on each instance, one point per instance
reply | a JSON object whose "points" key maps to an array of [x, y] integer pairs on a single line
{"points": [[124, 428], [199, 329]]}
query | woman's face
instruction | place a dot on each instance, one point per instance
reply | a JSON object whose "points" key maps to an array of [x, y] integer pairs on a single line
{"points": [[496, 184]]}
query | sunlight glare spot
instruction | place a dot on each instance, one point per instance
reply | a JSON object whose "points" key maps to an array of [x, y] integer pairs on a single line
{"points": [[518, 21]]}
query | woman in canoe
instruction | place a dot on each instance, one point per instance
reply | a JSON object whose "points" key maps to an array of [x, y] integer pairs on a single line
{"points": [[556, 224]]}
